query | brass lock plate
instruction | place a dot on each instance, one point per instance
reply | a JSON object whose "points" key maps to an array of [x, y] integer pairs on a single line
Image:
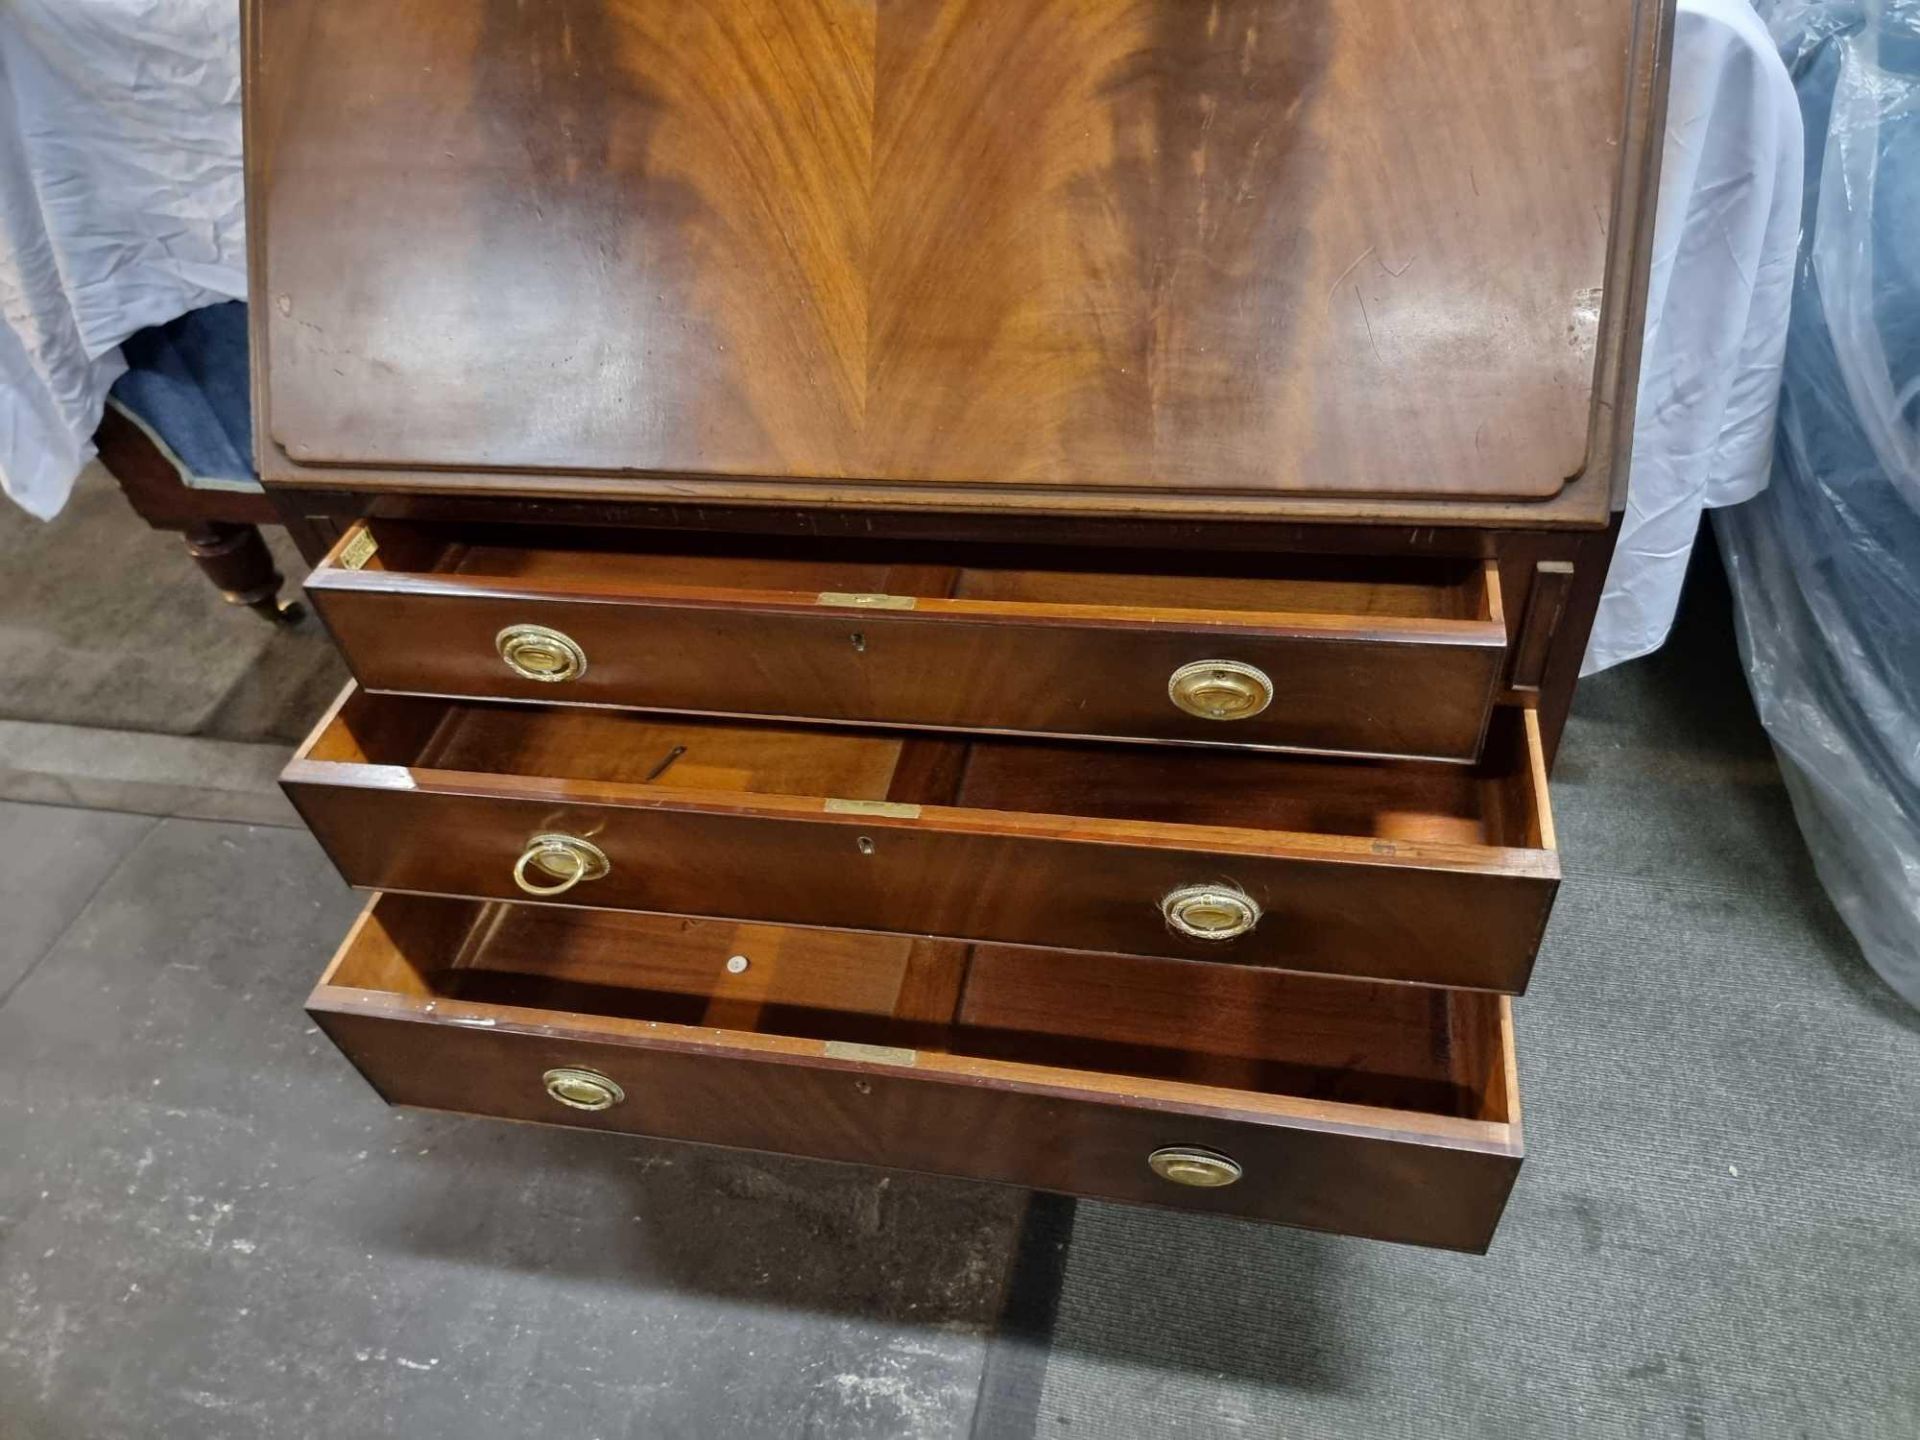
{"points": [[865, 600], [361, 548]]}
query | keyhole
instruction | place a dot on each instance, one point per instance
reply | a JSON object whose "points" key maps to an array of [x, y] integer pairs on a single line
{"points": [[859, 640], [864, 844]]}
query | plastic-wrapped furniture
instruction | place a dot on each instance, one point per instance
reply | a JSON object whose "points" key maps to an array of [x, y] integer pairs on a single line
{"points": [[1825, 565]]}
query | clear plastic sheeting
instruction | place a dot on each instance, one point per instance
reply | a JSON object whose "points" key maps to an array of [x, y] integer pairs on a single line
{"points": [[1825, 564], [120, 207]]}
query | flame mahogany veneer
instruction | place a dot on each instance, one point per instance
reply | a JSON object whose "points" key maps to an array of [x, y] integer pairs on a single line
{"points": [[1013, 571]]}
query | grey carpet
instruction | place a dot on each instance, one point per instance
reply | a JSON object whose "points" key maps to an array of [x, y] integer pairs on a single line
{"points": [[1717, 1230], [107, 623]]}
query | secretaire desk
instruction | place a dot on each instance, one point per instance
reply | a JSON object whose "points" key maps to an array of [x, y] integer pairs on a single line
{"points": [[986, 586]]}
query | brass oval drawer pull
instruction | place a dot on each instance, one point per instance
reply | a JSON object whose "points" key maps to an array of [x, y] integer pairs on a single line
{"points": [[1221, 689], [533, 652], [1209, 912], [567, 858], [581, 1089], [1190, 1165]]}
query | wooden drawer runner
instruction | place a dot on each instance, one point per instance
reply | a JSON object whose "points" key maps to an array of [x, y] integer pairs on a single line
{"points": [[1333, 654], [1377, 1110], [1436, 873]]}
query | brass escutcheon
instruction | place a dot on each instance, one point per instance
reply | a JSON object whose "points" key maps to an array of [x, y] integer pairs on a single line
{"points": [[865, 600], [1209, 912], [582, 1089], [567, 858], [1190, 1165], [534, 652], [1221, 689]]}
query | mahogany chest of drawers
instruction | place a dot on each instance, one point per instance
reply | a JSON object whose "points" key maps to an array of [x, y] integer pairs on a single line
{"points": [[986, 586]]}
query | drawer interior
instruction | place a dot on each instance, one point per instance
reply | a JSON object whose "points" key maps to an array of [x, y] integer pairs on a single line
{"points": [[604, 562], [1498, 802], [1131, 1022]]}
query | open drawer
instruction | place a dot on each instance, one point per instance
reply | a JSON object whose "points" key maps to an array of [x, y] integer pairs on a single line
{"points": [[1339, 654], [1378, 1110], [1395, 870]]}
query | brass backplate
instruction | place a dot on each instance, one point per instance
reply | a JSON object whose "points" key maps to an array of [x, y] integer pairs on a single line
{"points": [[1220, 689], [537, 652], [1210, 912], [581, 1089], [1191, 1165], [566, 857]]}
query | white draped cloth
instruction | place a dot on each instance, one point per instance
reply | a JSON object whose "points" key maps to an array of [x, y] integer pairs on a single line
{"points": [[1726, 235], [120, 207]]}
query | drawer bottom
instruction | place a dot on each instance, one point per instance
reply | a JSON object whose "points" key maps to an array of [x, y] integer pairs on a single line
{"points": [[1365, 1108]]}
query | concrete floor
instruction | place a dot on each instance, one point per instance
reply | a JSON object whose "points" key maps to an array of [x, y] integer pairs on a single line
{"points": [[210, 1227], [1717, 1229]]}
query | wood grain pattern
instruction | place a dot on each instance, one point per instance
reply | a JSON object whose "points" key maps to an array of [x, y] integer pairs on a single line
{"points": [[1383, 1114], [670, 967], [1432, 873], [1151, 275], [318, 518], [1546, 604], [1129, 248], [1404, 663]]}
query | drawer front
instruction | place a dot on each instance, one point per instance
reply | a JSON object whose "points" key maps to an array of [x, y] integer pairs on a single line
{"points": [[555, 818], [1355, 915], [1380, 1186], [1357, 683], [1354, 1169]]}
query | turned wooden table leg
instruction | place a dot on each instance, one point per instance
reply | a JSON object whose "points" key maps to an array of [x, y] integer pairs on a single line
{"points": [[235, 557]]}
